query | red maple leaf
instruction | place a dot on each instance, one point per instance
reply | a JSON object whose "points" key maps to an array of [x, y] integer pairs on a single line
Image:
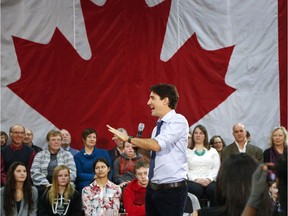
{"points": [[112, 87]]}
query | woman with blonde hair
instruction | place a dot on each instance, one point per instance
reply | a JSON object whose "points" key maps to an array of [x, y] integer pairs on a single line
{"points": [[278, 145], [60, 198]]}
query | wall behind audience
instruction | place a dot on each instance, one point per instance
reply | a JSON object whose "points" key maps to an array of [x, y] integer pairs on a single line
{"points": [[227, 59]]}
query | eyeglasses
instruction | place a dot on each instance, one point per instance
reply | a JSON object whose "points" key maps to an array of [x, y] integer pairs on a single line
{"points": [[18, 132]]}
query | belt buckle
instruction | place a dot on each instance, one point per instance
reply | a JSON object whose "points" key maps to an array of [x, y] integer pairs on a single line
{"points": [[154, 186]]}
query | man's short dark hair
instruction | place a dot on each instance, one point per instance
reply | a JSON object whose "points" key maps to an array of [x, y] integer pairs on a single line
{"points": [[167, 90]]}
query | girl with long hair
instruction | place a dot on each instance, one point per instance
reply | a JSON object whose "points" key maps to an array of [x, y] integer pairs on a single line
{"points": [[60, 198], [101, 197], [18, 197]]}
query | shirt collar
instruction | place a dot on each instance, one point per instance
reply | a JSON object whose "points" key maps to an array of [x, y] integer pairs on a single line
{"points": [[167, 116], [16, 148], [244, 147]]}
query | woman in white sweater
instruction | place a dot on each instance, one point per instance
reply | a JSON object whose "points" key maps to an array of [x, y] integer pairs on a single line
{"points": [[203, 165]]}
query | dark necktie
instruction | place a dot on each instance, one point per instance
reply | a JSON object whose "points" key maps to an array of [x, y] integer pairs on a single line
{"points": [[153, 155]]}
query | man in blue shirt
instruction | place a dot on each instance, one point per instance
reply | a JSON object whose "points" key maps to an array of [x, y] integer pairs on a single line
{"points": [[167, 189]]}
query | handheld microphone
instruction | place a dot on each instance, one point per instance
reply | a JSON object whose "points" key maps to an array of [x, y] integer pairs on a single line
{"points": [[141, 127]]}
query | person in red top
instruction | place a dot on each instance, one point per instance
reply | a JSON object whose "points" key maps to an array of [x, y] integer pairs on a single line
{"points": [[135, 192]]}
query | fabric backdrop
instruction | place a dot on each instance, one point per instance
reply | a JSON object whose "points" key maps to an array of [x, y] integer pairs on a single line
{"points": [[78, 64]]}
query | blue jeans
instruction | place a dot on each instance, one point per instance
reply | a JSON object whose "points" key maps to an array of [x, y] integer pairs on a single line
{"points": [[166, 202]]}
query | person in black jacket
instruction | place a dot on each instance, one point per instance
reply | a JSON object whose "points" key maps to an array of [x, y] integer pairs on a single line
{"points": [[60, 198]]}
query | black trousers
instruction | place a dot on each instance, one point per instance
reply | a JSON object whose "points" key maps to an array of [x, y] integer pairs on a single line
{"points": [[166, 202]]}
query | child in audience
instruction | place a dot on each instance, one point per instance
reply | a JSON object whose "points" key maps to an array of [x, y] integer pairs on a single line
{"points": [[273, 192], [18, 197], [134, 193], [101, 197], [60, 198]]}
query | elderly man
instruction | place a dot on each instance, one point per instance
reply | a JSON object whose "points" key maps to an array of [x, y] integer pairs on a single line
{"points": [[66, 141], [16, 151], [28, 140], [241, 145]]}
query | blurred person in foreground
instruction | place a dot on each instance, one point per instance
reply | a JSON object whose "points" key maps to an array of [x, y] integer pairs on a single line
{"points": [[259, 186]]}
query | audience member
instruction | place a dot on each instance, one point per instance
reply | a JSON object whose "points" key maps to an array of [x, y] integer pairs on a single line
{"points": [[233, 186], [85, 158], [60, 198], [218, 143], [46, 160], [18, 197], [248, 136], [166, 192], [66, 142], [119, 147], [16, 151], [203, 165], [28, 140], [124, 165], [273, 192], [241, 145], [278, 142], [101, 197], [135, 192], [4, 139], [259, 186]]}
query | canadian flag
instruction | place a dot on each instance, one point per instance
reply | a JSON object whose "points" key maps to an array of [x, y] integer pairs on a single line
{"points": [[79, 64]]}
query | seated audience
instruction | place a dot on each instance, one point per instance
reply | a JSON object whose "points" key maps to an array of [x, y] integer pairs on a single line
{"points": [[278, 144], [124, 165], [66, 142], [203, 165], [135, 192], [60, 198], [241, 145], [233, 186], [102, 196], [18, 197], [273, 192], [119, 147], [218, 143], [28, 140], [4, 139], [46, 160], [85, 158], [16, 151]]}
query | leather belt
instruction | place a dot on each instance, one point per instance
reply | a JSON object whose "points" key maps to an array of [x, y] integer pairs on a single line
{"points": [[155, 186]]}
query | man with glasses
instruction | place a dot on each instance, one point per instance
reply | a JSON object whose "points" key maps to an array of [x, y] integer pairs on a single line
{"points": [[241, 145], [16, 151]]}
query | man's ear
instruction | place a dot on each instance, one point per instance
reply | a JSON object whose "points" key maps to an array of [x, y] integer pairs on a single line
{"points": [[166, 101]]}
